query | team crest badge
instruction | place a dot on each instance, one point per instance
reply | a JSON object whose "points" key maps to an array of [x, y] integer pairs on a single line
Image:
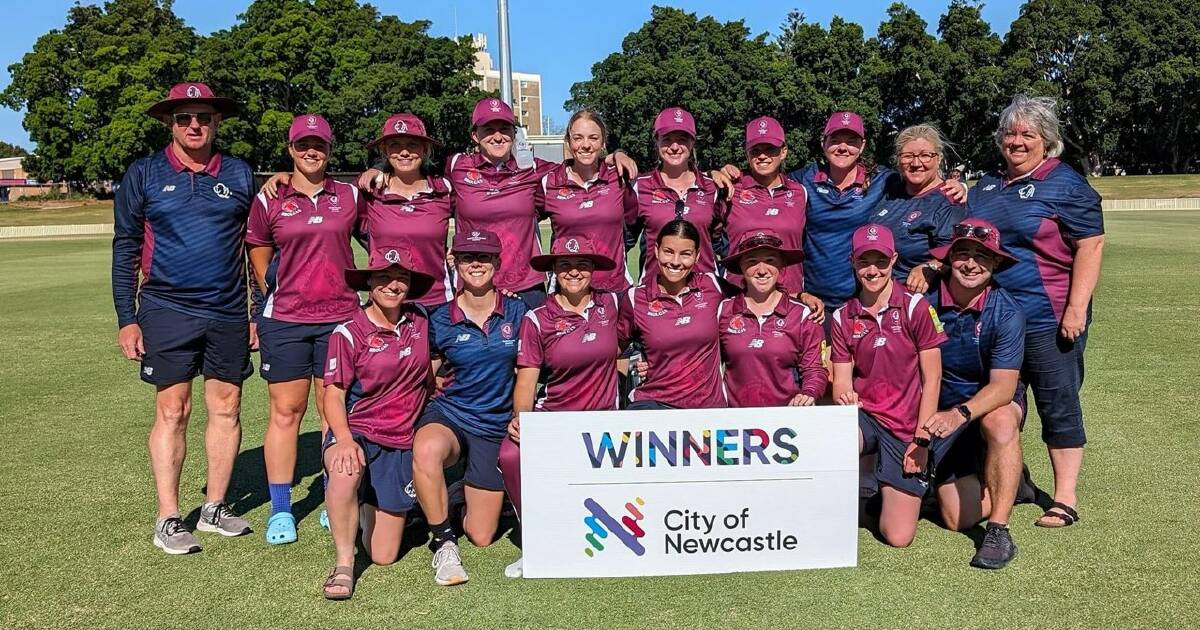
{"points": [[737, 325], [678, 115], [845, 118], [573, 246], [656, 308], [473, 177], [289, 208], [747, 198], [762, 127], [495, 105], [392, 256], [506, 330], [193, 91], [311, 123], [376, 343], [400, 126], [1026, 191], [872, 233], [222, 190], [859, 329]]}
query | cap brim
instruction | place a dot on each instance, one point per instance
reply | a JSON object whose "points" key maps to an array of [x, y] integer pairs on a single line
{"points": [[226, 107], [419, 283], [318, 136], [830, 132], [381, 139], [545, 262], [487, 119], [941, 253], [789, 257], [871, 248]]}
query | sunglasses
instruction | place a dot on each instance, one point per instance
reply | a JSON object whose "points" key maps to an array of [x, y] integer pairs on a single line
{"points": [[966, 230], [184, 119], [469, 257], [760, 240]]}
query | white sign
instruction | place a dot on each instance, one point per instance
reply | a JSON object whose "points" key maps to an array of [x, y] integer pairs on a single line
{"points": [[623, 493]]}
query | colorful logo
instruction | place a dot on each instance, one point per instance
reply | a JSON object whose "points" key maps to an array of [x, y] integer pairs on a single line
{"points": [[602, 524]]}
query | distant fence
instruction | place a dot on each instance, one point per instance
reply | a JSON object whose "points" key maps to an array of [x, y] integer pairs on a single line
{"points": [[106, 229]]}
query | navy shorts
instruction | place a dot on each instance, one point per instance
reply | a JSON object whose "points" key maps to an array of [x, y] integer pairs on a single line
{"points": [[889, 465], [648, 405], [388, 478], [180, 346], [481, 454], [292, 351], [1053, 370]]}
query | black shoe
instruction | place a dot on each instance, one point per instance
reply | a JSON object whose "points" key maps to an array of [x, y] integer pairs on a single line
{"points": [[997, 549]]}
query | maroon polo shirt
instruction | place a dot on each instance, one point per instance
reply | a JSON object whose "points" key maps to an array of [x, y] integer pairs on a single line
{"points": [[422, 223], [884, 349], [312, 238], [385, 374], [780, 208], [504, 200], [653, 206], [595, 211], [680, 340], [763, 356], [579, 351]]}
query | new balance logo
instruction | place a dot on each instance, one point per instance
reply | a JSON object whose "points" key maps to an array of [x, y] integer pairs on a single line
{"points": [[169, 188]]}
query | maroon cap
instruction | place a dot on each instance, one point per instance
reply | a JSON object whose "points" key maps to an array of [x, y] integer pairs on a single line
{"points": [[402, 125], [310, 126], [195, 92], [844, 121], [764, 130], [386, 257], [674, 119], [476, 241], [754, 240], [872, 237], [489, 109], [572, 248], [977, 231]]}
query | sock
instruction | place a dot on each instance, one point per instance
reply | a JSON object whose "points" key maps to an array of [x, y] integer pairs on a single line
{"points": [[442, 533], [992, 524], [281, 497]]}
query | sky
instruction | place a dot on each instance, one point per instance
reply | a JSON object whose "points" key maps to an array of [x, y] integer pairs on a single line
{"points": [[559, 40]]}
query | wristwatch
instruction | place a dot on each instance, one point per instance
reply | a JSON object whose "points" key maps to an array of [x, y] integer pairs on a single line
{"points": [[965, 411], [920, 441]]}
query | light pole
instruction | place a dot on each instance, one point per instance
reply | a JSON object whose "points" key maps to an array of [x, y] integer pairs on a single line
{"points": [[505, 57]]}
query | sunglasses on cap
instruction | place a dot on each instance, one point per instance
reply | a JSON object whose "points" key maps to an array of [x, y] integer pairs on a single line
{"points": [[761, 240], [966, 230], [184, 119]]}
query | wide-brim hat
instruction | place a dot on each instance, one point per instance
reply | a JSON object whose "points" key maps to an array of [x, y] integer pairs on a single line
{"points": [[194, 92], [387, 257], [573, 247], [974, 231], [755, 240], [398, 125]]}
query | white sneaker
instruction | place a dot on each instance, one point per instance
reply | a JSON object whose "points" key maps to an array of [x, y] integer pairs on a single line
{"points": [[447, 565], [514, 570]]}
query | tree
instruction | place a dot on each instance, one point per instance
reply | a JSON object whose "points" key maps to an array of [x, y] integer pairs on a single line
{"points": [[910, 70], [833, 70], [975, 92], [12, 150], [1064, 49], [86, 88], [339, 59], [715, 70]]}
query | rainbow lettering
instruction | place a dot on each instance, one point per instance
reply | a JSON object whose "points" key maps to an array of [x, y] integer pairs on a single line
{"points": [[723, 447]]}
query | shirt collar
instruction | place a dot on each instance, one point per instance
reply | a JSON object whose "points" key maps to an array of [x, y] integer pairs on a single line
{"points": [[213, 167], [366, 322], [327, 187], [785, 183], [1040, 173], [656, 178], [558, 177], [946, 300], [895, 300], [457, 316], [782, 308], [860, 175], [557, 309]]}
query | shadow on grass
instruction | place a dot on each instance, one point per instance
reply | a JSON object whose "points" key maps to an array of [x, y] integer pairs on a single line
{"points": [[248, 486]]}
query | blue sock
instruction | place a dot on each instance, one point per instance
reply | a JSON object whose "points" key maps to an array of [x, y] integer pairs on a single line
{"points": [[281, 497]]}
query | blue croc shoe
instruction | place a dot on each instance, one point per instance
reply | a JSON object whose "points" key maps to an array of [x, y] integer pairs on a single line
{"points": [[281, 528], [324, 519]]}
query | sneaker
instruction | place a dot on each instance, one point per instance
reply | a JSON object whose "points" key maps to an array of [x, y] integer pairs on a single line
{"points": [[218, 518], [514, 570], [997, 549], [447, 565], [172, 536]]}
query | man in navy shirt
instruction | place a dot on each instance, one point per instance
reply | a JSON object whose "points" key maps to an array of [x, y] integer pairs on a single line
{"points": [[179, 287], [981, 362]]}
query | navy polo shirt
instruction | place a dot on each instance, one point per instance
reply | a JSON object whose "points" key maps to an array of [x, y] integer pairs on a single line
{"points": [[918, 223], [1040, 216], [988, 335], [832, 217], [183, 232], [477, 393]]}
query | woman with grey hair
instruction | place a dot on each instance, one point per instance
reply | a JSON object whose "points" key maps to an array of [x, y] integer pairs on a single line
{"points": [[1050, 219], [916, 207]]}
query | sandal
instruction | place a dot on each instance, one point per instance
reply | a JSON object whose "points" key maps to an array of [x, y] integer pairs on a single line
{"points": [[340, 577], [281, 528], [1064, 513]]}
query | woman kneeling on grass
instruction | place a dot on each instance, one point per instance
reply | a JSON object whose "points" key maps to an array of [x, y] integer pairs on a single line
{"points": [[377, 377], [887, 361]]}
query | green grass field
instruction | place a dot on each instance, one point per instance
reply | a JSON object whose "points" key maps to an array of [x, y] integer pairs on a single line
{"points": [[77, 506]]}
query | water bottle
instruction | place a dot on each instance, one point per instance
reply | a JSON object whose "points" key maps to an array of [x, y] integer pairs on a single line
{"points": [[522, 151], [634, 380]]}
